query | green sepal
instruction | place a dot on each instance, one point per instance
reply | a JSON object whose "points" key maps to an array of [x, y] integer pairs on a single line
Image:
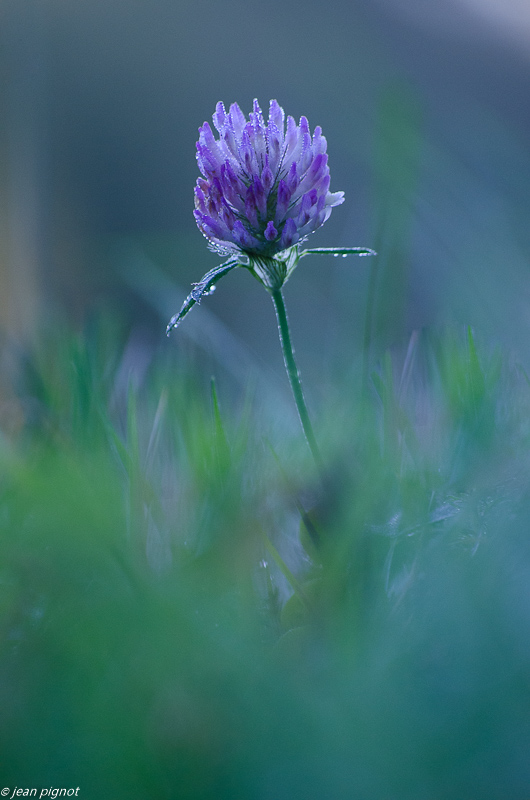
{"points": [[204, 286], [274, 271], [271, 272], [339, 251]]}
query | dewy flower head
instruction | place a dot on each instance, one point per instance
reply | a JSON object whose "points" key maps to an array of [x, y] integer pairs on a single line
{"points": [[265, 186]]}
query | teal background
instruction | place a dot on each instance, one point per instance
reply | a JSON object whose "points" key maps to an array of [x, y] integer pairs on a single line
{"points": [[427, 122], [170, 625]]}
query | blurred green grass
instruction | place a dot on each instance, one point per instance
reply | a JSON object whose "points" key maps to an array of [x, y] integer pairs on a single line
{"points": [[172, 628], [186, 610]]}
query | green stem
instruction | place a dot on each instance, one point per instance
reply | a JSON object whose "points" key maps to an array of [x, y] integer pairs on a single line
{"points": [[293, 374]]}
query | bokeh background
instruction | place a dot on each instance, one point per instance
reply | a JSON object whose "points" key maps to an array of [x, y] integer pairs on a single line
{"points": [[187, 609], [425, 108]]}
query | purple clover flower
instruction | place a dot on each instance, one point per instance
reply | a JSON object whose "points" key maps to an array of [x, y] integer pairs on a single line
{"points": [[265, 186]]}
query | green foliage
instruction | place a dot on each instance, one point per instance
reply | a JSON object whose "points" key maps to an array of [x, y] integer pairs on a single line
{"points": [[187, 610]]}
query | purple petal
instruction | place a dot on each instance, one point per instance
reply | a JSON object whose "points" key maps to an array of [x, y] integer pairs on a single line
{"points": [[211, 227], [219, 118], [208, 141], [230, 143], [237, 120], [261, 196], [216, 193], [302, 144], [274, 145], [233, 188], [291, 179], [307, 208], [276, 116], [306, 156], [303, 153], [291, 138], [284, 198], [243, 238], [270, 232], [317, 168], [322, 186], [226, 215], [206, 160], [256, 133], [251, 209], [247, 155], [319, 142], [289, 234], [258, 114], [316, 171], [267, 179]]}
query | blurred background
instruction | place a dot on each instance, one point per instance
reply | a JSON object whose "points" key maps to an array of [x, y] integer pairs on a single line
{"points": [[169, 628], [426, 113]]}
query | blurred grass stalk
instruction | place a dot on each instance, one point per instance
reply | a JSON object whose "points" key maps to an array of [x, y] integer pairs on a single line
{"points": [[23, 187], [396, 164], [171, 628]]}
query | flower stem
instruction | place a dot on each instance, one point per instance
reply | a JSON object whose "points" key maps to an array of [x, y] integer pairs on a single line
{"points": [[294, 375]]}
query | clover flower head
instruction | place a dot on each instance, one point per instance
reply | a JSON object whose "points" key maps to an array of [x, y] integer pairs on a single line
{"points": [[265, 186]]}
